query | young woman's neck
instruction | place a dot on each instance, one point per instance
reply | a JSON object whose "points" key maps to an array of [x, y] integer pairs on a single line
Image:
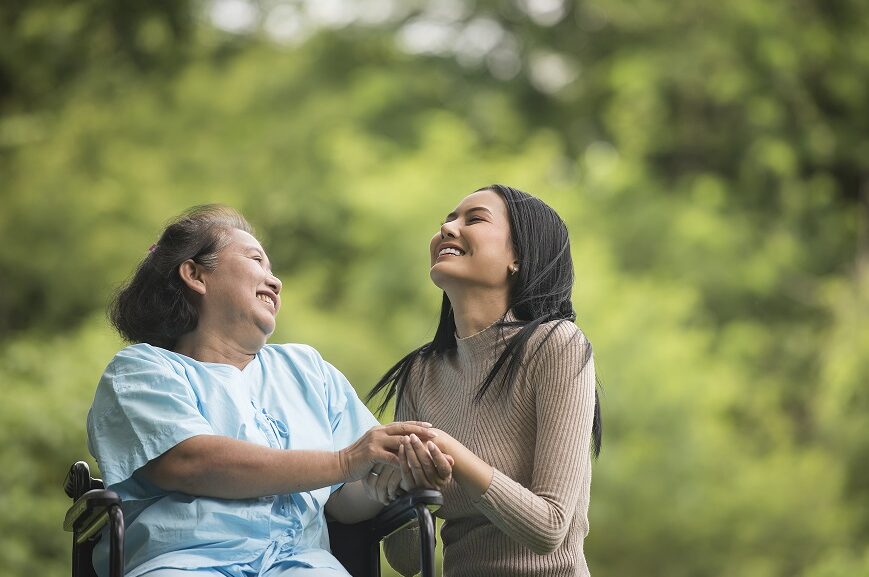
{"points": [[477, 309]]}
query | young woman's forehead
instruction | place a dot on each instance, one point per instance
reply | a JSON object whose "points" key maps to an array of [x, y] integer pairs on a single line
{"points": [[482, 199]]}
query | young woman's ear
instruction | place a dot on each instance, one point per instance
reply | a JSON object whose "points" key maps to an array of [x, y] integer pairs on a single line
{"points": [[513, 268], [191, 275]]}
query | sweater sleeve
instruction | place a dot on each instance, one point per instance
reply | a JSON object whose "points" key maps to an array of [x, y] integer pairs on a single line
{"points": [[539, 516], [402, 547]]}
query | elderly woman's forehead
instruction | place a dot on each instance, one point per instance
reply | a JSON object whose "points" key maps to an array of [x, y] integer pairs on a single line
{"points": [[243, 239]]}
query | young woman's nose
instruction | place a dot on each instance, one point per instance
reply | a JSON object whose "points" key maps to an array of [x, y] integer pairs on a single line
{"points": [[449, 229]]}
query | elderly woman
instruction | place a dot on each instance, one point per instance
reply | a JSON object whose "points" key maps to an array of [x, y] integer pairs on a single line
{"points": [[225, 450]]}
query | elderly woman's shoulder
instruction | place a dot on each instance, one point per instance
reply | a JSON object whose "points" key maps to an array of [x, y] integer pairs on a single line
{"points": [[141, 358], [296, 353], [141, 352]]}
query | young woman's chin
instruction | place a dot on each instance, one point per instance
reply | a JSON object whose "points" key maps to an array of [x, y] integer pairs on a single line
{"points": [[444, 278]]}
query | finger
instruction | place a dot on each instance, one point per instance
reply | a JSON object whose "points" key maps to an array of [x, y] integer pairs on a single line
{"points": [[387, 458], [380, 486], [407, 482], [410, 427], [387, 483], [388, 442], [441, 464], [370, 487], [419, 477], [425, 460], [394, 482]]}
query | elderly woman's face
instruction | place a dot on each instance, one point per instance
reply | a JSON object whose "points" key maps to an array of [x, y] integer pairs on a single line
{"points": [[242, 294]]}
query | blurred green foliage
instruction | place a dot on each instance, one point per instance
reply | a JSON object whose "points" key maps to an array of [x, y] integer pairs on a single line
{"points": [[710, 159]]}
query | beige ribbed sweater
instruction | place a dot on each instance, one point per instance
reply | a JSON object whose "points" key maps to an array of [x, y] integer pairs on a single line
{"points": [[534, 516]]}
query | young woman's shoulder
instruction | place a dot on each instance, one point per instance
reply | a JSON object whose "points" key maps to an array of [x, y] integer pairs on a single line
{"points": [[559, 348], [557, 337]]}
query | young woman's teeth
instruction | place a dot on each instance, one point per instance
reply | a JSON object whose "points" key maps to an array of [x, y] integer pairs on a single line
{"points": [[266, 299], [448, 250]]}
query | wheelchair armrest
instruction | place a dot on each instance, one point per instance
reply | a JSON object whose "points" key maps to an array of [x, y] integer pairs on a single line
{"points": [[90, 513], [404, 510]]}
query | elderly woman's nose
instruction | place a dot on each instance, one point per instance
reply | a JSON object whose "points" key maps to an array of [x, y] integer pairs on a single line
{"points": [[274, 283]]}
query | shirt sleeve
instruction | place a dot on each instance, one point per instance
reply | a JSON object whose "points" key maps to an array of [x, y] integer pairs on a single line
{"points": [[540, 516], [402, 547], [142, 408], [348, 415]]}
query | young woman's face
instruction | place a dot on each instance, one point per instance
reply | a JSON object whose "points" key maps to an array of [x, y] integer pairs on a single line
{"points": [[473, 246]]}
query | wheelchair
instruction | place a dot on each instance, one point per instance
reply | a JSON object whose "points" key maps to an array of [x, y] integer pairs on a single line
{"points": [[356, 546]]}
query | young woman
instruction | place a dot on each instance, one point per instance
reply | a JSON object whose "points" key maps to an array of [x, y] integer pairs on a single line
{"points": [[509, 381], [226, 450]]}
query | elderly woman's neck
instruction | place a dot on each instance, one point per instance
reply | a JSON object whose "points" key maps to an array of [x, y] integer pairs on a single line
{"points": [[214, 349]]}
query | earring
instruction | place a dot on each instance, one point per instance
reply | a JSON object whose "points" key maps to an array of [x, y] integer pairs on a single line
{"points": [[513, 270]]}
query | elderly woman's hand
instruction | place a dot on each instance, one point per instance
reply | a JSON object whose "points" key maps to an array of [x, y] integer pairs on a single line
{"points": [[424, 464], [382, 483], [379, 445]]}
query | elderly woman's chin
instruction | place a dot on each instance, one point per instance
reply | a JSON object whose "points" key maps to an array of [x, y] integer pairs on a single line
{"points": [[268, 328], [258, 332]]}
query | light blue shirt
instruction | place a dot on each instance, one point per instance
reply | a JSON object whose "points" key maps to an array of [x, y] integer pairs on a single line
{"points": [[150, 399]]}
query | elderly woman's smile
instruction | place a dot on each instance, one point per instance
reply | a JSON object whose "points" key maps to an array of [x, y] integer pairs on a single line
{"points": [[268, 300]]}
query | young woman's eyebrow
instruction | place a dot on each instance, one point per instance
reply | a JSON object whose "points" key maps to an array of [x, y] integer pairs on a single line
{"points": [[478, 209], [453, 215]]}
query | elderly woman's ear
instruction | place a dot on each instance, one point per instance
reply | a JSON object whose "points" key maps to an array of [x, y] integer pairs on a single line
{"points": [[191, 275]]}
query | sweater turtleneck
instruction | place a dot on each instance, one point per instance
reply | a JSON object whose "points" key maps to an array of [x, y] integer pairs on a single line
{"points": [[486, 344]]}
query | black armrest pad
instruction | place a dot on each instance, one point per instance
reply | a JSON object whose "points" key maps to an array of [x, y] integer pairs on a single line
{"points": [[403, 510], [88, 513]]}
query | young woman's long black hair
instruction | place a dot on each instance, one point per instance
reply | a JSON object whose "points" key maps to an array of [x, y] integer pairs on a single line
{"points": [[540, 293]]}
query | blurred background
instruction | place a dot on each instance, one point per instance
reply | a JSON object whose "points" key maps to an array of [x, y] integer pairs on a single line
{"points": [[711, 160]]}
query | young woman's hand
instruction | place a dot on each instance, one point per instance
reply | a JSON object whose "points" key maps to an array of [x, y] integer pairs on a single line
{"points": [[470, 472], [379, 445], [424, 464]]}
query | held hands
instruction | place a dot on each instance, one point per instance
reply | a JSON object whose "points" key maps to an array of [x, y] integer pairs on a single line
{"points": [[421, 465], [379, 446]]}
